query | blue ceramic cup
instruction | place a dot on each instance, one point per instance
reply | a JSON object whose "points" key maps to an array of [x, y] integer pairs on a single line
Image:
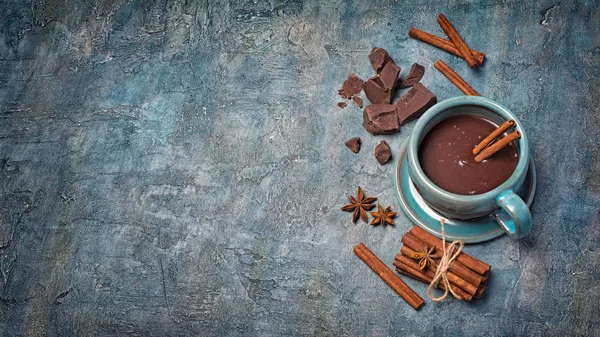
{"points": [[502, 203]]}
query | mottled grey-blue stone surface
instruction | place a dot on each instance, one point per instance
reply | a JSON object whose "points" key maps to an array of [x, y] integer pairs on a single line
{"points": [[178, 167]]}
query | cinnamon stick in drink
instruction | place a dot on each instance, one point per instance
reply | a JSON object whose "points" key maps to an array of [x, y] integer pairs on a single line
{"points": [[467, 260], [458, 42], [500, 130], [455, 78], [442, 43], [497, 146], [388, 276]]}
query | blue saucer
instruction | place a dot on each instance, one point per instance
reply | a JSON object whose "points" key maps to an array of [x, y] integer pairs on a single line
{"points": [[468, 231]]}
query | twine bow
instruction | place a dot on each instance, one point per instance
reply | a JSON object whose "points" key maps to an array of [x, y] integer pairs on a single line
{"points": [[441, 273]]}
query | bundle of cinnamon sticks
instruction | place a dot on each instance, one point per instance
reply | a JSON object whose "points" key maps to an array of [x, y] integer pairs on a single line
{"points": [[467, 275]]}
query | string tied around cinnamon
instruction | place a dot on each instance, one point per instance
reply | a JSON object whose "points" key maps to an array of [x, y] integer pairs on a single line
{"points": [[441, 274]]}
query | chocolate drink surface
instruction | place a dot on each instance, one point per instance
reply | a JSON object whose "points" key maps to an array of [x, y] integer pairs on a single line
{"points": [[445, 155]]}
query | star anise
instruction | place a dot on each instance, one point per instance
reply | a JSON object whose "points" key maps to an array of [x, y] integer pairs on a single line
{"points": [[383, 217], [359, 206], [425, 256]]}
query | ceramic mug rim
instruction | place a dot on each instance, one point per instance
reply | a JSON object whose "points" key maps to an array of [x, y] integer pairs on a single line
{"points": [[461, 199]]}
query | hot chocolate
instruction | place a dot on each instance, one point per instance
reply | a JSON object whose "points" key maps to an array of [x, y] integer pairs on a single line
{"points": [[445, 155]]}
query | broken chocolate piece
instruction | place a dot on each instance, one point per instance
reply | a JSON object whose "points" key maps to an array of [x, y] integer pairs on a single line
{"points": [[342, 104], [383, 152], [379, 57], [375, 91], [414, 76], [377, 81], [380, 119], [353, 144], [416, 101], [389, 76], [351, 86], [358, 101], [379, 89]]}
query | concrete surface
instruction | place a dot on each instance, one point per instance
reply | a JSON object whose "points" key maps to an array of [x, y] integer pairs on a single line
{"points": [[177, 167]]}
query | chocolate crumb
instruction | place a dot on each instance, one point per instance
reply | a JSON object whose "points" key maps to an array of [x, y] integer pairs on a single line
{"points": [[342, 104], [414, 103], [414, 76], [380, 119], [358, 101], [353, 144], [351, 86], [383, 152]]}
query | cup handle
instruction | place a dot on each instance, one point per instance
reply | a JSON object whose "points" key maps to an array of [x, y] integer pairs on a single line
{"points": [[514, 215]]}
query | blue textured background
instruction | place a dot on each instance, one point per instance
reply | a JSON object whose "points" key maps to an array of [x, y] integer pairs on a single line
{"points": [[177, 167]]}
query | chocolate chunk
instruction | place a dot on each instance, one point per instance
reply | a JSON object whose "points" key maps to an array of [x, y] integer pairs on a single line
{"points": [[375, 91], [353, 144], [389, 75], [414, 76], [380, 88], [342, 104], [377, 81], [383, 152], [416, 101], [358, 101], [380, 119], [379, 57], [352, 86]]}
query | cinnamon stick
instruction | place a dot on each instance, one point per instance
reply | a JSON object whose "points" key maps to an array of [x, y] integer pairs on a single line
{"points": [[458, 42], [467, 260], [417, 275], [388, 276], [427, 277], [480, 291], [455, 78], [412, 243], [500, 130], [497, 146], [453, 278], [442, 43]]}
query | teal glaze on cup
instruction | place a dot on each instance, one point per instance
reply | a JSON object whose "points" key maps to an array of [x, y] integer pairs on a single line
{"points": [[502, 203]]}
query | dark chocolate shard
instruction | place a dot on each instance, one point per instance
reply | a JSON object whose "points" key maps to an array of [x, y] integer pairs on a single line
{"points": [[379, 57], [358, 101], [353, 144], [414, 103], [389, 76], [342, 104], [380, 119], [375, 91], [383, 152], [351, 86], [414, 76]]}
